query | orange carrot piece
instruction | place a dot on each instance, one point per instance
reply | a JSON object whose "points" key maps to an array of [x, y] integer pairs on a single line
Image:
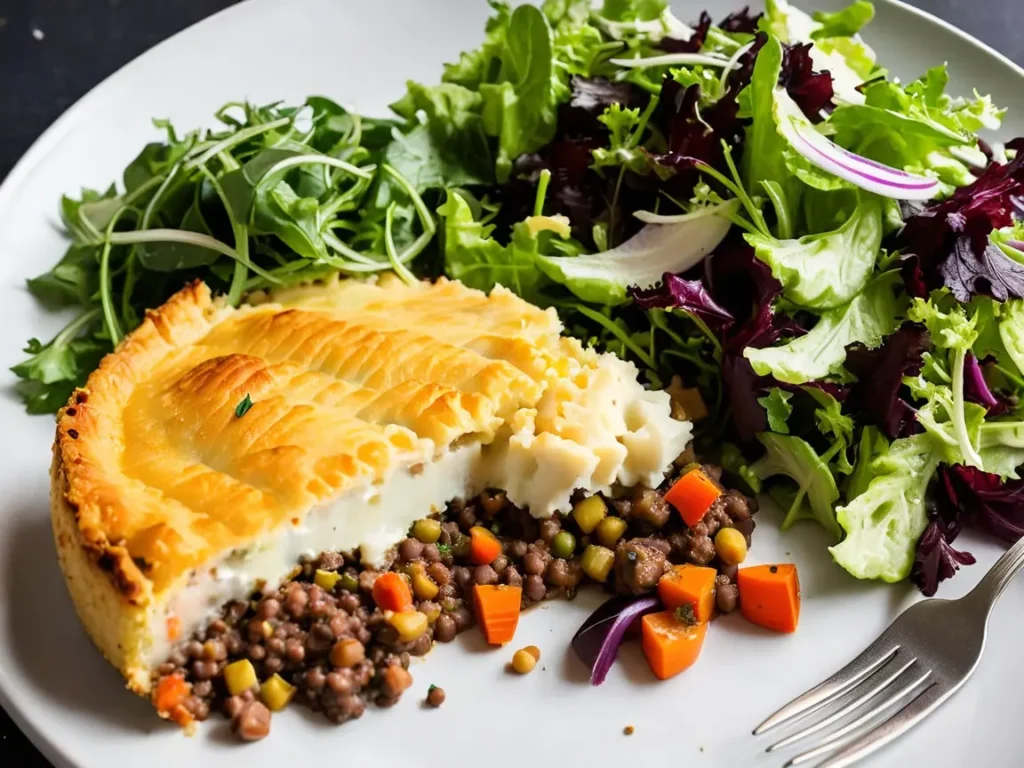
{"points": [[770, 596], [392, 593], [693, 494], [173, 628], [484, 546], [170, 692], [692, 585], [670, 644], [497, 610]]}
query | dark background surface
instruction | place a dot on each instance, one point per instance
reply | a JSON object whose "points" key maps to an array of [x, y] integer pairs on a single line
{"points": [[53, 51]]}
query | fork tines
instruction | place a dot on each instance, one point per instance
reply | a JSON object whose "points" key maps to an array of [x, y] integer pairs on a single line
{"points": [[881, 678]]}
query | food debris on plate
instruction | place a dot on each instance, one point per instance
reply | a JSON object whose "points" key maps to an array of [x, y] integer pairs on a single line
{"points": [[525, 294]]}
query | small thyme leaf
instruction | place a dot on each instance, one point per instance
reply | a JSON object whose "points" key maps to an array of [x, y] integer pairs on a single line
{"points": [[243, 407]]}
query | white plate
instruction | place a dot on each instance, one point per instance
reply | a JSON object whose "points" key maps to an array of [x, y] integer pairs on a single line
{"points": [[74, 707]]}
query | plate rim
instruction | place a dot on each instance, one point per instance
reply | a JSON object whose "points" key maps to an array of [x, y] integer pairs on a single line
{"points": [[68, 120]]}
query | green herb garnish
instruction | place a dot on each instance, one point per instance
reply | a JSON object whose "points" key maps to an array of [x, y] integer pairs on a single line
{"points": [[243, 407]]}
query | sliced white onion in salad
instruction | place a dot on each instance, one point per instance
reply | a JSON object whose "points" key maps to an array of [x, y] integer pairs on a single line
{"points": [[726, 208], [672, 60], [825, 154], [643, 259]]}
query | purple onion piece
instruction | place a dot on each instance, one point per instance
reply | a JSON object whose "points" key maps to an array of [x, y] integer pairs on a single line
{"points": [[975, 386], [597, 642], [1017, 244]]}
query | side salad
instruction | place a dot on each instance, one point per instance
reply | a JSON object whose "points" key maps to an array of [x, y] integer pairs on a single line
{"points": [[833, 257]]}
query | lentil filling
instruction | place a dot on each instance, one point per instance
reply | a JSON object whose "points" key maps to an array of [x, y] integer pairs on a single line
{"points": [[321, 640]]}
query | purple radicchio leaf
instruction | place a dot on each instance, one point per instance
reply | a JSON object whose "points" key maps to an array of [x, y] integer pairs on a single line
{"points": [[947, 244], [991, 503], [597, 642], [812, 91], [935, 559], [690, 295], [741, 21], [878, 395]]}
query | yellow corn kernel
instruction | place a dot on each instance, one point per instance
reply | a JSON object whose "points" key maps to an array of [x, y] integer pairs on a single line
{"points": [[267, 629], [326, 579], [423, 586], [589, 512], [239, 676], [276, 692], [432, 612], [410, 625]]}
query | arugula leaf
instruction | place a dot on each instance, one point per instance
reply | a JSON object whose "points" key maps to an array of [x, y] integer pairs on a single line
{"points": [[776, 404], [794, 458], [826, 270], [884, 521], [867, 319]]}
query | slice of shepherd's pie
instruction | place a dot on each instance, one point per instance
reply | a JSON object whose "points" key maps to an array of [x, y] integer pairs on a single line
{"points": [[217, 448]]}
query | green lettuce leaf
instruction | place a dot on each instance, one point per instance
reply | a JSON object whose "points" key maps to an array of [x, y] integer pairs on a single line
{"points": [[845, 23], [885, 520], [867, 319], [776, 404], [826, 270], [1011, 331], [479, 261]]}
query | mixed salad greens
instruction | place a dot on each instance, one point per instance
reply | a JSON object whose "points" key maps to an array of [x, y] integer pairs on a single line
{"points": [[835, 258]]}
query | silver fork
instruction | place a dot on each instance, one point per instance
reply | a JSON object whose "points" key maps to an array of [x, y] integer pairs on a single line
{"points": [[922, 659]]}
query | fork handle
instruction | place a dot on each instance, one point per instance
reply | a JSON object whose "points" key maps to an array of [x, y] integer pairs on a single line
{"points": [[999, 575]]}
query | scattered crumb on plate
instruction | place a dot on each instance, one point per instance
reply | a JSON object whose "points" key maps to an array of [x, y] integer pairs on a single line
{"points": [[628, 730]]}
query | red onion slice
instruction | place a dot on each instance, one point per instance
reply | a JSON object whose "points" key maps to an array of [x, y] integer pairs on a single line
{"points": [[597, 642], [825, 154]]}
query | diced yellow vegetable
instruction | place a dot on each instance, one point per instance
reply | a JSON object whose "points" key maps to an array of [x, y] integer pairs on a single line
{"points": [[410, 625], [423, 586], [731, 546], [276, 692], [589, 512], [239, 676], [597, 562], [326, 579], [610, 530]]}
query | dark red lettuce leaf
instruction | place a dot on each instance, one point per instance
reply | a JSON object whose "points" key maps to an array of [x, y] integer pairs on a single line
{"points": [[992, 504], [947, 244], [744, 285], [990, 272], [878, 395], [812, 91], [690, 295], [976, 389], [696, 41], [935, 559], [741, 21]]}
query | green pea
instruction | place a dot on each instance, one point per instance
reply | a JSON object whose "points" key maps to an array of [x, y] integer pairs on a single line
{"points": [[426, 530], [563, 545]]}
